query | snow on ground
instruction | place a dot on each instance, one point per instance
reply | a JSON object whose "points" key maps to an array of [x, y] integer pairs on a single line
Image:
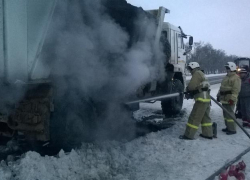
{"points": [[156, 156], [246, 159]]}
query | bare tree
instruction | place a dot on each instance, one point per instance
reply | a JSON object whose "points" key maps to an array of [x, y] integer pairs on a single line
{"points": [[211, 60]]}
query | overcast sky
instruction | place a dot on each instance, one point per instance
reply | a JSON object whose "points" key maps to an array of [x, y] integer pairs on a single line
{"points": [[223, 23]]}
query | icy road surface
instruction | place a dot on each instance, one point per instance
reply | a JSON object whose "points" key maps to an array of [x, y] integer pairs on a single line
{"points": [[156, 156]]}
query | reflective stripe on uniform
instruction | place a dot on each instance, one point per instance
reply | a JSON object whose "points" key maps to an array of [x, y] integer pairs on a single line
{"points": [[229, 120], [224, 102], [192, 126], [207, 124], [203, 100]]}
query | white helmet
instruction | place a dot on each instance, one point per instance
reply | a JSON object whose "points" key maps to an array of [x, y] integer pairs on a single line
{"points": [[193, 65], [231, 66]]}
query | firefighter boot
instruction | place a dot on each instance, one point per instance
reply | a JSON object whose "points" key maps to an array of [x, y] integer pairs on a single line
{"points": [[206, 137], [185, 137], [225, 130], [231, 132]]}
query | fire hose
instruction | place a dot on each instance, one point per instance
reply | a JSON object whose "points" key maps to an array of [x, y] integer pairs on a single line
{"points": [[225, 110], [225, 166], [232, 116], [168, 96], [237, 157]]}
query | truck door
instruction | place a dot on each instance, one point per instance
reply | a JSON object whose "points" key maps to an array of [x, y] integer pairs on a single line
{"points": [[181, 50]]}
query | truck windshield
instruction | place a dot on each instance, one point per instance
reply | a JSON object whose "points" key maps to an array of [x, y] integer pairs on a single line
{"points": [[243, 62]]}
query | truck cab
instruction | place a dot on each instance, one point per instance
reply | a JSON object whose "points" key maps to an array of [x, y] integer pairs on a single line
{"points": [[178, 53], [241, 62], [175, 37], [172, 39]]}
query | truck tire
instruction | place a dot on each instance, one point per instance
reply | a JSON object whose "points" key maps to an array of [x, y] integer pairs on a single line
{"points": [[133, 107], [70, 125], [171, 107]]}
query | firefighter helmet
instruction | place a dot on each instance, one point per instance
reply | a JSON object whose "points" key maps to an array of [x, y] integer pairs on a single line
{"points": [[231, 66], [193, 65]]}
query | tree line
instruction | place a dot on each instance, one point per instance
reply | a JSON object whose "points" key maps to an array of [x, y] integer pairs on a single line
{"points": [[211, 60]]}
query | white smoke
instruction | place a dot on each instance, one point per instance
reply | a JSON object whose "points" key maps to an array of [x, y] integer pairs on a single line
{"points": [[89, 52]]}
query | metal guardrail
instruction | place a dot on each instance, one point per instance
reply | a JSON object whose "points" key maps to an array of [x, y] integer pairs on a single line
{"points": [[214, 79]]}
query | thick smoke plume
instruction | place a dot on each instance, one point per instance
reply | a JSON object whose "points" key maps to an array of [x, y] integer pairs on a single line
{"points": [[97, 63]]}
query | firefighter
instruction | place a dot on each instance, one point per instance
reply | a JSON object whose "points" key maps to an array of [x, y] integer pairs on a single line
{"points": [[198, 89], [244, 96], [227, 95]]}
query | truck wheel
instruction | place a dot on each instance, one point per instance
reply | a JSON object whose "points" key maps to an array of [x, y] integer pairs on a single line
{"points": [[71, 125], [173, 106], [133, 107]]}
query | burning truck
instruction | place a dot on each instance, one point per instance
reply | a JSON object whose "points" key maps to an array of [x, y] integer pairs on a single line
{"points": [[66, 66]]}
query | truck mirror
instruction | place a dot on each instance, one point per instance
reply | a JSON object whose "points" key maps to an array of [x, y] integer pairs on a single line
{"points": [[191, 40]]}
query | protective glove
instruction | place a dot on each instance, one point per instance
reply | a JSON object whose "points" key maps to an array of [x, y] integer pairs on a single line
{"points": [[231, 102], [218, 98]]}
